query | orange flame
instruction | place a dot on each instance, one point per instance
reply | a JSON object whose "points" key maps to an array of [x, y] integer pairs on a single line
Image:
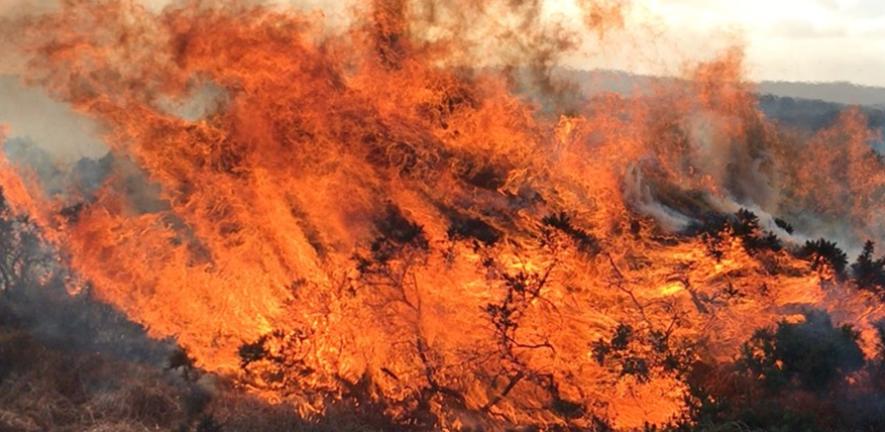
{"points": [[379, 216]]}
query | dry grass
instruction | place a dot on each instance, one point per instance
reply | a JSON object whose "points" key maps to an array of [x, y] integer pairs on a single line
{"points": [[45, 389]]}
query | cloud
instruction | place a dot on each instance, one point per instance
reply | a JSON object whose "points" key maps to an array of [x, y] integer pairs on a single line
{"points": [[793, 29]]}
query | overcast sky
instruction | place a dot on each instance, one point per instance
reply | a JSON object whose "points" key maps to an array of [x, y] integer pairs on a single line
{"points": [[794, 40], [799, 40]]}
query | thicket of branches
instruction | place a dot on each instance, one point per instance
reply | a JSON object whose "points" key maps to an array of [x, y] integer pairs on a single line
{"points": [[808, 376]]}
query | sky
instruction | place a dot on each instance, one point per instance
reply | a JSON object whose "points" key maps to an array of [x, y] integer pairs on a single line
{"points": [[790, 40], [795, 40]]}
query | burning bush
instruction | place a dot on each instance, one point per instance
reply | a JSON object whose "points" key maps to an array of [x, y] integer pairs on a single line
{"points": [[812, 353], [800, 376], [371, 224], [868, 272]]}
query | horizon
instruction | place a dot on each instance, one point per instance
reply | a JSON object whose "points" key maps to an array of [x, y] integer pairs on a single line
{"points": [[236, 216], [821, 41], [789, 40]]}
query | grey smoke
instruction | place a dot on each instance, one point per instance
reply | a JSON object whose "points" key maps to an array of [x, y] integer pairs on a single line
{"points": [[30, 114]]}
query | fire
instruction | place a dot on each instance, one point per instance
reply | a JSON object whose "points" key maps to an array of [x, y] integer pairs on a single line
{"points": [[366, 216]]}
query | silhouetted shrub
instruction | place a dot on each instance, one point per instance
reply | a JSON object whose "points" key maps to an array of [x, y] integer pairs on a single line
{"points": [[395, 232], [464, 227], [822, 253], [784, 225], [813, 354], [744, 224], [868, 272], [561, 221], [252, 351]]}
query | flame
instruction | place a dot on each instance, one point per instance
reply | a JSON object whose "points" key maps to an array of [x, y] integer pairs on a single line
{"points": [[370, 214]]}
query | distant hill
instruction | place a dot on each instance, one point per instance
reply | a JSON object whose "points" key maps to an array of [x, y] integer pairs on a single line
{"points": [[814, 114], [844, 93], [839, 92], [805, 106]]}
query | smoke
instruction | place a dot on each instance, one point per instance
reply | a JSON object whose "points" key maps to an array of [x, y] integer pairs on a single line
{"points": [[375, 212], [54, 317], [201, 102], [30, 114]]}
